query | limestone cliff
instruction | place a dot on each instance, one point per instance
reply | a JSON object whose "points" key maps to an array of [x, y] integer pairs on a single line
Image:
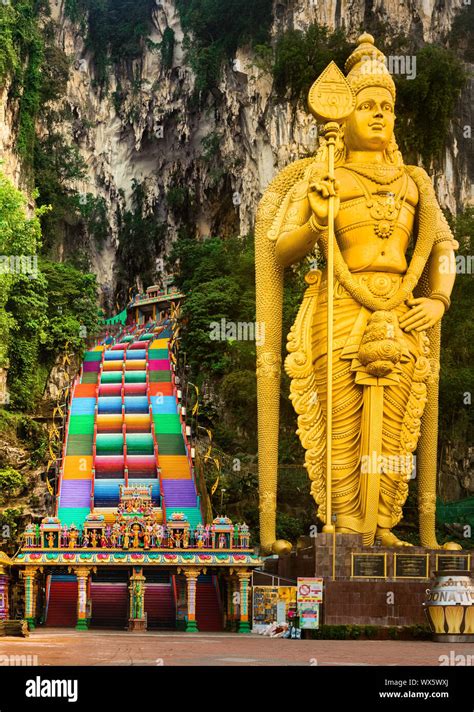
{"points": [[146, 130]]}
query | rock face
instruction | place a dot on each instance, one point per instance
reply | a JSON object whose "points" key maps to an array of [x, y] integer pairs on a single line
{"points": [[152, 135]]}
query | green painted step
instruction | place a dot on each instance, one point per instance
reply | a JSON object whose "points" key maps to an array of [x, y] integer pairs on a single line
{"points": [[109, 444], [147, 337], [81, 425], [111, 377], [73, 515], [90, 377], [170, 444], [159, 376], [135, 376], [79, 444], [154, 354], [167, 423], [93, 356], [193, 514], [140, 444]]}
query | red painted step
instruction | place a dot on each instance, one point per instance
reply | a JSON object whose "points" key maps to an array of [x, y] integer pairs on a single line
{"points": [[159, 606], [208, 614], [109, 605], [62, 607]]}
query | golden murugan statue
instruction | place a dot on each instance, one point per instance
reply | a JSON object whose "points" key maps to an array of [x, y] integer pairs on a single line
{"points": [[379, 226]]}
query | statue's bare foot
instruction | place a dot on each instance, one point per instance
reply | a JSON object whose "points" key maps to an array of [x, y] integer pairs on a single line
{"points": [[387, 538], [452, 545]]}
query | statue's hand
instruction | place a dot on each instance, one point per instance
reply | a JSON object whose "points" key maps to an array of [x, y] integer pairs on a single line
{"points": [[319, 191], [424, 313]]}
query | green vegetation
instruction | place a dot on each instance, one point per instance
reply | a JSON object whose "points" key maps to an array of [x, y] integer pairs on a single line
{"points": [[457, 376], [11, 483], [167, 48], [461, 37], [18, 236], [425, 104], [141, 240], [215, 30], [115, 30], [300, 57], [11, 524]]}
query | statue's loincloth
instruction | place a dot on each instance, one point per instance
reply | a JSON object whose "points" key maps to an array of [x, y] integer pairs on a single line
{"points": [[376, 418]]}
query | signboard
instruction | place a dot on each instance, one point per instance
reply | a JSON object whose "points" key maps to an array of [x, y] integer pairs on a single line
{"points": [[369, 565], [458, 562], [271, 604], [310, 590], [309, 597], [265, 599], [411, 565], [309, 615]]}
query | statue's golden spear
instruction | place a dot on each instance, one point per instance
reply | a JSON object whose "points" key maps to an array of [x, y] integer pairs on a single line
{"points": [[330, 100]]}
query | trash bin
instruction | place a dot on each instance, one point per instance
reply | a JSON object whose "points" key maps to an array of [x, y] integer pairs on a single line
{"points": [[450, 607]]}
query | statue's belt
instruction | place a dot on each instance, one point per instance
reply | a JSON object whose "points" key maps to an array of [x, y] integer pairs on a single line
{"points": [[380, 284]]}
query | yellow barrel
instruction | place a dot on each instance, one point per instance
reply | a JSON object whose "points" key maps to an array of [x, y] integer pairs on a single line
{"points": [[138, 422], [113, 365], [109, 423], [135, 365]]}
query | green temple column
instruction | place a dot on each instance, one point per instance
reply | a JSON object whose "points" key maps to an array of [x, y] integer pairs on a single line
{"points": [[4, 586], [31, 594], [191, 585], [137, 619], [244, 580]]}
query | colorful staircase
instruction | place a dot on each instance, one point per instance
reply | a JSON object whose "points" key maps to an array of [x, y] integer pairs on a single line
{"points": [[125, 426]]}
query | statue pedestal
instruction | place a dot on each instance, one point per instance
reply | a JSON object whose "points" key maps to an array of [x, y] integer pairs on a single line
{"points": [[373, 585], [137, 625]]}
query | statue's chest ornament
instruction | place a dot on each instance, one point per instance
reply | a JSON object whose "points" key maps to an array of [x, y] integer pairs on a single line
{"points": [[384, 205]]}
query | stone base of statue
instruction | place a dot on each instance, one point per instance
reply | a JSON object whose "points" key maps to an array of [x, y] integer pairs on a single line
{"points": [[370, 585], [137, 625]]}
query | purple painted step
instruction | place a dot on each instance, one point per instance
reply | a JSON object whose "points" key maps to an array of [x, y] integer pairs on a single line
{"points": [[75, 493], [179, 493]]}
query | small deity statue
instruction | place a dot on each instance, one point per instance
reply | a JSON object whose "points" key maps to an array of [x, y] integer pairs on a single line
{"points": [[126, 539], [64, 535], [113, 539], [185, 539], [221, 540], [73, 536], [94, 539], [136, 536], [103, 541], [50, 539], [85, 539]]}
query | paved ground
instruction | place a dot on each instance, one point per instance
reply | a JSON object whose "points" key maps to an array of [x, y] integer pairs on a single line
{"points": [[96, 647]]}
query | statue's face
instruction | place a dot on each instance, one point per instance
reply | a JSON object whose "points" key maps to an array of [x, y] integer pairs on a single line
{"points": [[370, 126]]}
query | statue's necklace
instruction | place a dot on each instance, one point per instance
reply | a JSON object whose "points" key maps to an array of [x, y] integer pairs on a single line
{"points": [[384, 206], [378, 173]]}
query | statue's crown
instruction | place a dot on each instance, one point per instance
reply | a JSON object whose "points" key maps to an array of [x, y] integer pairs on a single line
{"points": [[366, 67]]}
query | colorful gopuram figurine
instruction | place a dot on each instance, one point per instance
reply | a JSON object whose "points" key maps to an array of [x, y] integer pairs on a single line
{"points": [[364, 350], [73, 537]]}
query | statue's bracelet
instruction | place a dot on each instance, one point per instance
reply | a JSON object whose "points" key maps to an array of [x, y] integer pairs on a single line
{"points": [[441, 298], [315, 226]]}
